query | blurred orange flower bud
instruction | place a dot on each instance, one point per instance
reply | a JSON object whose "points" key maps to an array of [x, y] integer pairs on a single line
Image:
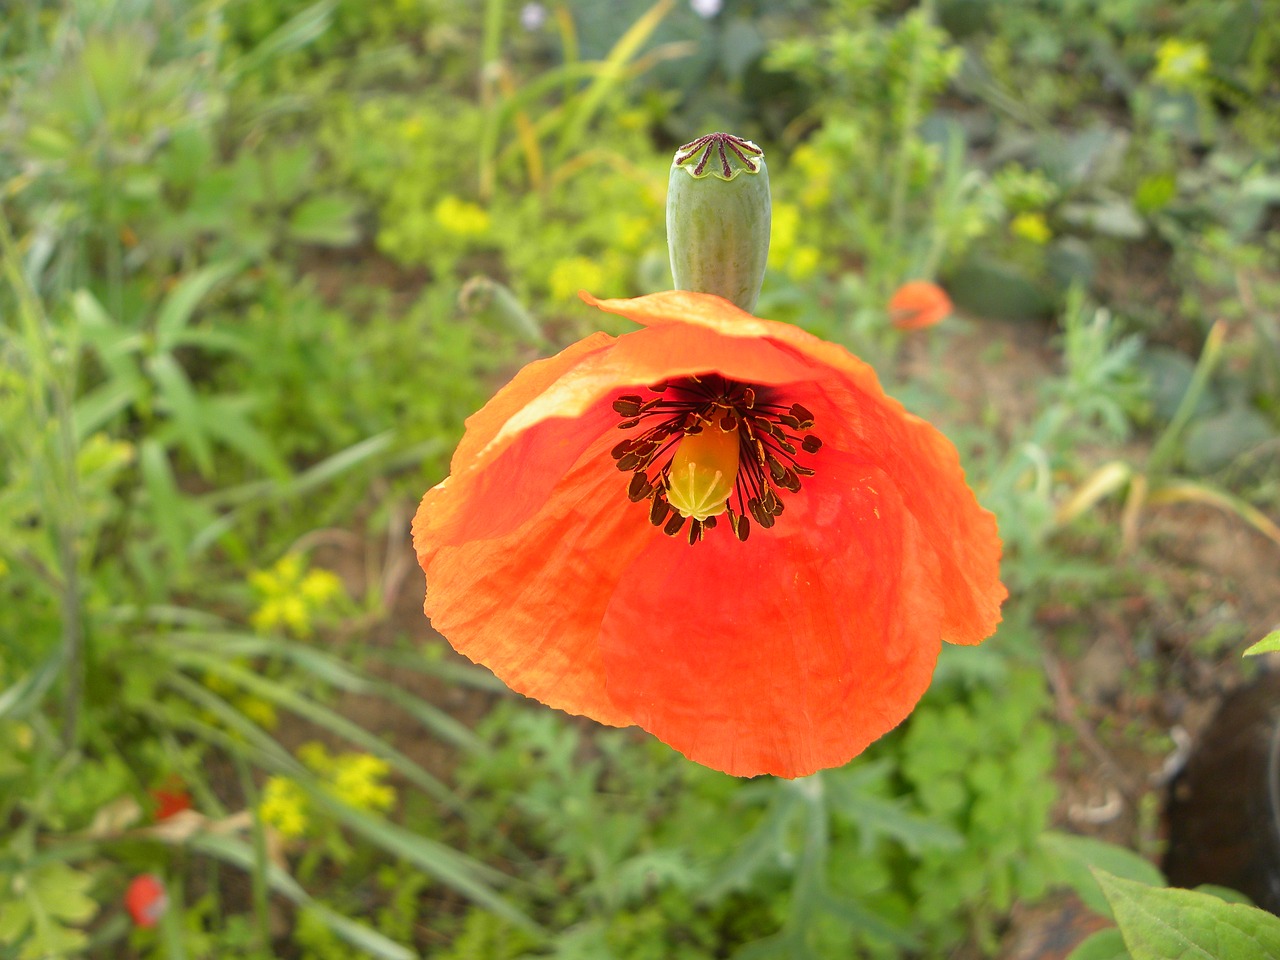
{"points": [[918, 304]]}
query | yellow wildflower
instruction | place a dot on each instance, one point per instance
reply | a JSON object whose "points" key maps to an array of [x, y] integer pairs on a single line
{"points": [[818, 171], [291, 596], [785, 229], [320, 586], [1180, 65], [570, 275], [460, 217], [262, 712], [1031, 226], [315, 756], [357, 781], [284, 806]]}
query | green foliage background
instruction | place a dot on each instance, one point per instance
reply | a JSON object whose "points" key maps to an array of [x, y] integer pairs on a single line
{"points": [[262, 259]]}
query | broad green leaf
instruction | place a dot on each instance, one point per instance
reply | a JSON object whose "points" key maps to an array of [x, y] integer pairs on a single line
{"points": [[1160, 923], [179, 306], [184, 406], [1268, 644], [1104, 945], [61, 892], [1215, 441], [15, 917], [165, 498], [95, 409], [225, 418], [1077, 856], [328, 219]]}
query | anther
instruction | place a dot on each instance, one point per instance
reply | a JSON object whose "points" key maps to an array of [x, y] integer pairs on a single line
{"points": [[673, 525], [658, 512], [628, 406], [639, 488], [811, 444]]}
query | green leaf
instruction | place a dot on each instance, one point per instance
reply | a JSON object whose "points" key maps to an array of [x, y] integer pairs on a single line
{"points": [[184, 406], [179, 306], [293, 34], [15, 917], [1268, 644], [1215, 441], [1104, 945], [1077, 856], [1160, 923], [165, 498], [61, 891], [329, 220]]}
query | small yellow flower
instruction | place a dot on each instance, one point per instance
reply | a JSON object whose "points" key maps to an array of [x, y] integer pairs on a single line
{"points": [[570, 275], [291, 596], [357, 781], [316, 757], [818, 171], [319, 587], [1031, 226], [262, 712], [284, 806], [461, 218], [1181, 65]]}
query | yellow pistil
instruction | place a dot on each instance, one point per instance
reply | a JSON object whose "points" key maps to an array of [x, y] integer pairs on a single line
{"points": [[703, 472]]}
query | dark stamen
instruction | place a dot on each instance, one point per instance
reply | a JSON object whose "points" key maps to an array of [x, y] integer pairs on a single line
{"points": [[687, 406]]}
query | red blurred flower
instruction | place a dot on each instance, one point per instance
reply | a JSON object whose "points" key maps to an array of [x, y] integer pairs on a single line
{"points": [[170, 799], [918, 304], [782, 639], [146, 900]]}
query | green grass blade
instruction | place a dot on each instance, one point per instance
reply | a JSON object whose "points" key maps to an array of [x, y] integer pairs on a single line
{"points": [[239, 854], [282, 696]]}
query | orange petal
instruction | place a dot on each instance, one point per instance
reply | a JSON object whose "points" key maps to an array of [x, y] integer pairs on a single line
{"points": [[918, 304], [790, 652], [869, 424], [528, 604]]}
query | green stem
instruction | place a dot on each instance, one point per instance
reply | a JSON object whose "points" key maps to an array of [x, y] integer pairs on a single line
{"points": [[1164, 446]]}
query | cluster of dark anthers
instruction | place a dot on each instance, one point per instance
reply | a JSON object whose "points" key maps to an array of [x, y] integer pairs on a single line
{"points": [[767, 447]]}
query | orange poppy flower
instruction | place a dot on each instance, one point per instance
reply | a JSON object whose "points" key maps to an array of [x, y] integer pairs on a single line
{"points": [[782, 639], [146, 899], [918, 304]]}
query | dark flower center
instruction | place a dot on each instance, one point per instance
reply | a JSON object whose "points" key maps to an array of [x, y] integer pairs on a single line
{"points": [[770, 434]]}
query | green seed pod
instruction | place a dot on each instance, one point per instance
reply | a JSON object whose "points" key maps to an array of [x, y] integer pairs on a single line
{"points": [[718, 218]]}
